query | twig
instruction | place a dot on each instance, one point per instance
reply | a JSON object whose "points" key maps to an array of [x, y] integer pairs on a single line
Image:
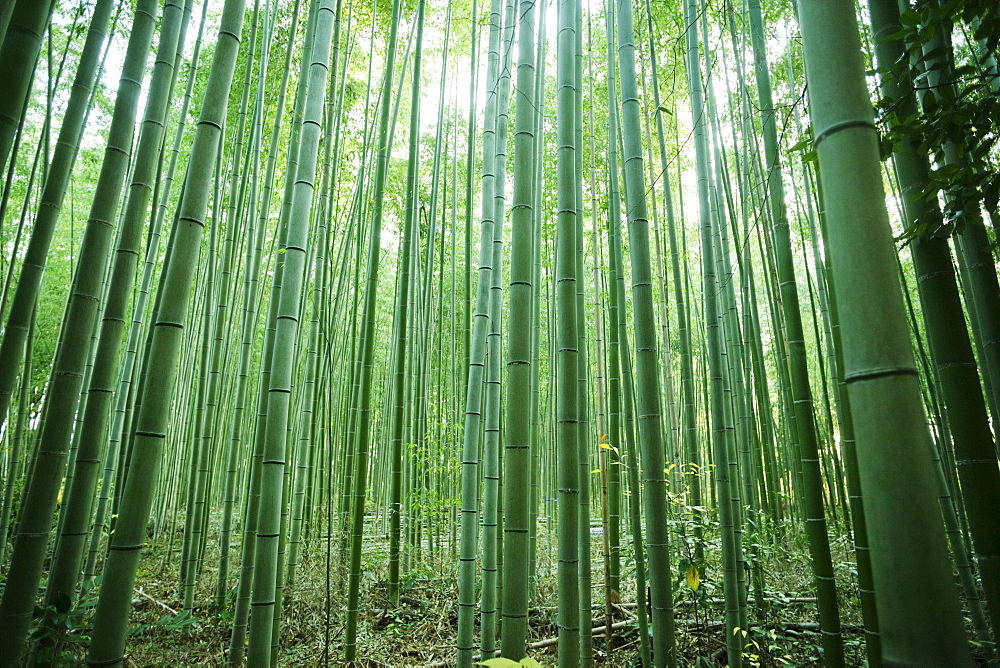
{"points": [[140, 592], [780, 626], [549, 642]]}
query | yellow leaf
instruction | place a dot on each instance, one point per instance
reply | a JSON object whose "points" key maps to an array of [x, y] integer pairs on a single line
{"points": [[692, 577], [530, 663], [608, 446], [596, 471], [499, 662]]}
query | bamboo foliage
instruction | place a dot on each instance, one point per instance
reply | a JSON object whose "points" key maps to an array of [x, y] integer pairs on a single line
{"points": [[337, 397]]}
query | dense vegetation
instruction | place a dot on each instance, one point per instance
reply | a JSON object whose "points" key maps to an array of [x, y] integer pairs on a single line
{"points": [[382, 333]]}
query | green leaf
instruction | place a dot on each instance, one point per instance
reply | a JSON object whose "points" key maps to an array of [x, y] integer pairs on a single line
{"points": [[531, 663], [499, 662], [801, 144]]}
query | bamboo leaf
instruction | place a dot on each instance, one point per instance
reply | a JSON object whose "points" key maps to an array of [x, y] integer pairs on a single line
{"points": [[499, 662]]}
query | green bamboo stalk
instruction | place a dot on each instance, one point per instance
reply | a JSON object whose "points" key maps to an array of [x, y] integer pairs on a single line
{"points": [[688, 430], [862, 552], [5, 13], [429, 332], [620, 381], [22, 40], [15, 453], [217, 316], [476, 368], [400, 316], [866, 590], [601, 421], [251, 269], [493, 491], [614, 344], [111, 617], [812, 488], [585, 438], [535, 445], [194, 415], [367, 343], [286, 331], [517, 454], [566, 338], [470, 148], [918, 610], [64, 570], [252, 511], [648, 380], [17, 65], [125, 393], [944, 322], [73, 351], [350, 432], [719, 436], [310, 428]]}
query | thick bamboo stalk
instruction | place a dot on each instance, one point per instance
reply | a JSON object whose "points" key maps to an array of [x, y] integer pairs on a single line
{"points": [[111, 617], [918, 610]]}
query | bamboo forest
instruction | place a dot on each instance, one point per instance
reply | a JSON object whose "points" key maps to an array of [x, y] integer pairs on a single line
{"points": [[499, 333]]}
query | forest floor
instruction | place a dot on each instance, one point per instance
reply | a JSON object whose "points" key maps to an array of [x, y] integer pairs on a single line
{"points": [[421, 631]]}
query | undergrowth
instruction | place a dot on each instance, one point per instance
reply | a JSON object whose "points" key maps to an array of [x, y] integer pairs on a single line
{"points": [[421, 630]]}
